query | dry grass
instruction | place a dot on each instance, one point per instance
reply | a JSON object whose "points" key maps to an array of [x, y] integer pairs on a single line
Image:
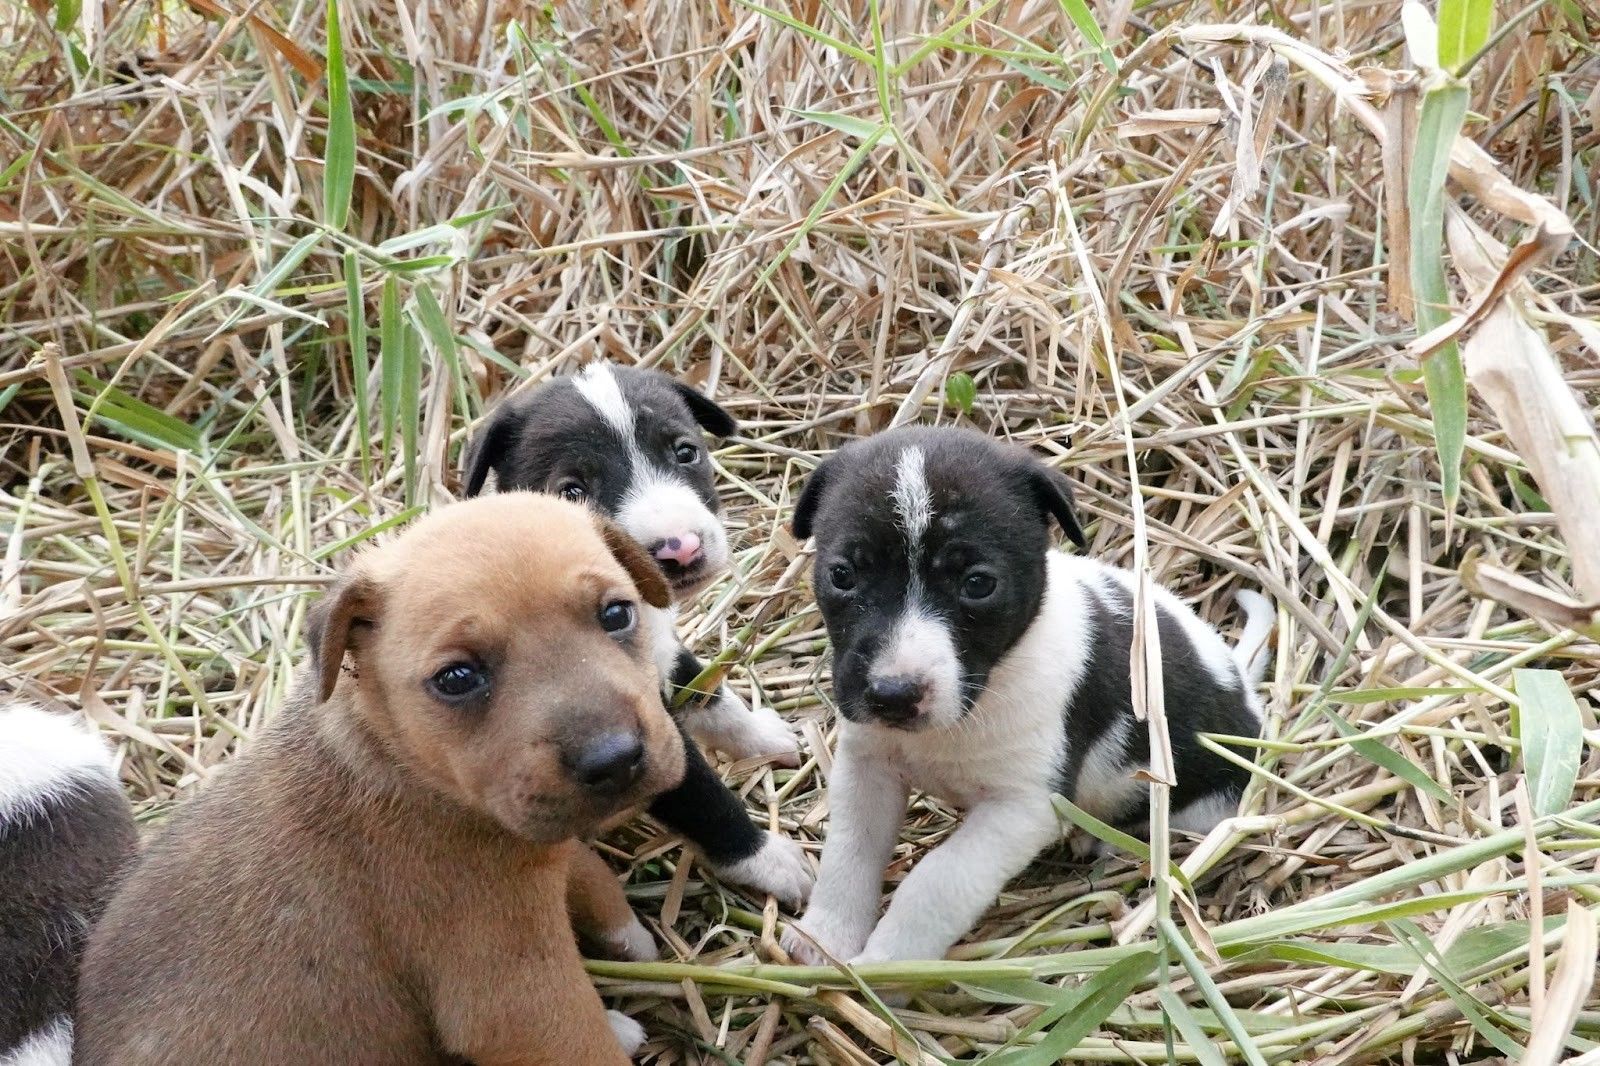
{"points": [[823, 212]]}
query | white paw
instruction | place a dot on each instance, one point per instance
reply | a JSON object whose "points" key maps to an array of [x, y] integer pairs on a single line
{"points": [[779, 869], [806, 941], [632, 943], [731, 727], [629, 1033]]}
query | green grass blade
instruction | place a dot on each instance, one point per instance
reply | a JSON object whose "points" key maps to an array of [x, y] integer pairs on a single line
{"points": [[355, 312], [1078, 1013], [1472, 1009], [1083, 18], [391, 356], [410, 403], [339, 164], [1550, 728], [1444, 107], [1212, 995]]}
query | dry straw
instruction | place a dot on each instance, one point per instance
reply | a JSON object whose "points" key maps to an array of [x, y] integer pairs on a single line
{"points": [[259, 281]]}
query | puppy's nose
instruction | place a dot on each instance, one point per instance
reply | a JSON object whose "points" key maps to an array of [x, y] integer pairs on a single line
{"points": [[608, 763], [895, 699], [680, 552]]}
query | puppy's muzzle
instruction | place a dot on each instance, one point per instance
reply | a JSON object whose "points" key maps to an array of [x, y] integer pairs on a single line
{"points": [[607, 764], [895, 700]]}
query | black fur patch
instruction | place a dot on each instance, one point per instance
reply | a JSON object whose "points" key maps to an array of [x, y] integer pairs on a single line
{"points": [[57, 869]]}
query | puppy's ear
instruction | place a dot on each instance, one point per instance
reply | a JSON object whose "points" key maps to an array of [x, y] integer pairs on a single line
{"points": [[1054, 493], [647, 576], [491, 445], [348, 607], [712, 418], [805, 511]]}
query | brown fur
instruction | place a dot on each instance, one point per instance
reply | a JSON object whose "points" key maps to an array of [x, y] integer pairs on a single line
{"points": [[383, 877]]}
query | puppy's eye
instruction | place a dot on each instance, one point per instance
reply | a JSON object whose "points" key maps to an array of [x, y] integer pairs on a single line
{"points": [[617, 617], [459, 681], [686, 453], [574, 491], [843, 576], [979, 585]]}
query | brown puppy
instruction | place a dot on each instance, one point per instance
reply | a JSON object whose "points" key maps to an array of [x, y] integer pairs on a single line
{"points": [[382, 878]]}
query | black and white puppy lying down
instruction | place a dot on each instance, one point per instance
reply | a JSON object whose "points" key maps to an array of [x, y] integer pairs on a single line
{"points": [[629, 442], [973, 662]]}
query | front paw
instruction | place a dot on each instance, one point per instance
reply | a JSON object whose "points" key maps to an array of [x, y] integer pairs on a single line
{"points": [[632, 943], [769, 737], [810, 941], [778, 868], [629, 1033], [731, 727]]}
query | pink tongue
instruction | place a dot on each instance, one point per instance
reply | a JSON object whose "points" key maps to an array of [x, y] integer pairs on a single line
{"points": [[681, 550]]}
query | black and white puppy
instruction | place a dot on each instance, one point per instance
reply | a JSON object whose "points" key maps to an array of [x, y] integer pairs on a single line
{"points": [[973, 662], [629, 442], [65, 834]]}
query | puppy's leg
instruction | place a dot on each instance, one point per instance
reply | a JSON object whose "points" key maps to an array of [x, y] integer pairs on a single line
{"points": [[949, 890], [867, 805], [600, 911], [723, 722], [703, 809]]}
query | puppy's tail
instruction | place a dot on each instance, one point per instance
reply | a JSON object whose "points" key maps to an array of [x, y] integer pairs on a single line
{"points": [[65, 832], [1251, 651]]}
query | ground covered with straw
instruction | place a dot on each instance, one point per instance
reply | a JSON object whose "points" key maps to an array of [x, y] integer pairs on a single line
{"points": [[260, 283]]}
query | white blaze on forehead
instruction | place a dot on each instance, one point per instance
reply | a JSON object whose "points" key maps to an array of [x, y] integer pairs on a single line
{"points": [[597, 384], [912, 501]]}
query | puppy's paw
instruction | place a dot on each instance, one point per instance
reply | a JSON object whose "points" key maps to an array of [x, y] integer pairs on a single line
{"points": [[632, 943], [779, 868], [731, 727], [769, 736], [629, 1033], [1083, 847], [811, 940]]}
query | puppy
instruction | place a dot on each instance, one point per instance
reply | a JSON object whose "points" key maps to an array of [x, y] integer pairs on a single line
{"points": [[628, 443], [65, 833], [383, 877], [974, 663]]}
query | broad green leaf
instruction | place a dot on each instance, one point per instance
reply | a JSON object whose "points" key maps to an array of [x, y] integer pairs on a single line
{"points": [[339, 164], [1188, 1026], [1480, 1017], [1444, 107], [67, 12], [960, 392], [1463, 29], [1550, 729]]}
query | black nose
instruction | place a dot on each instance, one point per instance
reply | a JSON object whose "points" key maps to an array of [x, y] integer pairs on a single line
{"points": [[894, 699], [608, 763]]}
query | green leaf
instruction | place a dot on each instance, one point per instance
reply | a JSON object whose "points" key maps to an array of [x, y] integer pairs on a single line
{"points": [[1481, 1018], [1081, 818], [858, 128], [1078, 1013], [410, 408], [960, 392], [1463, 29], [67, 12], [1235, 1029], [1083, 18], [1444, 108], [391, 356], [1376, 752], [1550, 728], [339, 164], [355, 313]]}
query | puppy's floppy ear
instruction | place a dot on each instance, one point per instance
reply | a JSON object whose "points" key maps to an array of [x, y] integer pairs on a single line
{"points": [[647, 576], [805, 511], [1054, 493], [712, 418], [349, 606], [491, 444]]}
